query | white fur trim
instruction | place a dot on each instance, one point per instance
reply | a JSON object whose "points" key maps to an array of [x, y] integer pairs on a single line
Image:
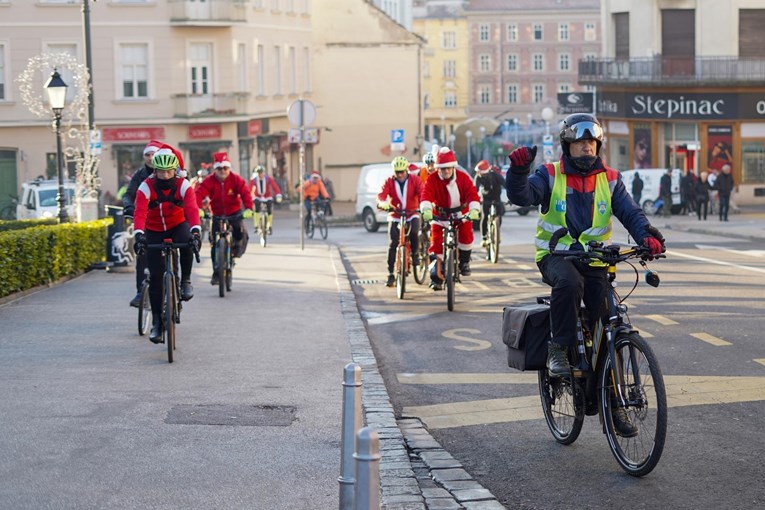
{"points": [[454, 194]]}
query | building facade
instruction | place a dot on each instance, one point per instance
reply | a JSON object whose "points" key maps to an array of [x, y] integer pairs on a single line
{"points": [[682, 84]]}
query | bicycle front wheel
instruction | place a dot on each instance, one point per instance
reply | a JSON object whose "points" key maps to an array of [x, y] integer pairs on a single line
{"points": [[168, 315], [309, 227], [450, 276], [494, 239], [646, 404], [229, 271], [563, 414], [262, 227], [421, 270], [220, 256], [323, 229], [400, 272], [144, 309]]}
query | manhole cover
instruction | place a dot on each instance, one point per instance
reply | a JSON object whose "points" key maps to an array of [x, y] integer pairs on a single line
{"points": [[237, 415]]}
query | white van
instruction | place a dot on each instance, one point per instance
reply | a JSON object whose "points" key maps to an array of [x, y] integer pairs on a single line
{"points": [[651, 178], [39, 199]]}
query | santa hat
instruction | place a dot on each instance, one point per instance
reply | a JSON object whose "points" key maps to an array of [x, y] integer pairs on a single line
{"points": [[445, 158], [170, 148], [483, 166], [221, 159], [315, 175], [152, 146], [413, 168]]}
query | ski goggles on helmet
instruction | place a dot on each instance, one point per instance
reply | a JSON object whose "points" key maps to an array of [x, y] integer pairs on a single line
{"points": [[584, 130]]}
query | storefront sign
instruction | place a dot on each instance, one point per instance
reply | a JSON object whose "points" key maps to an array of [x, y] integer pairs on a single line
{"points": [[202, 131], [669, 106], [132, 134], [254, 127], [575, 102]]}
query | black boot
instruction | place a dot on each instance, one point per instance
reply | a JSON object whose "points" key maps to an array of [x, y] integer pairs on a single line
{"points": [[557, 359], [136, 300], [187, 290], [155, 336], [391, 280], [215, 280], [622, 423], [464, 256]]}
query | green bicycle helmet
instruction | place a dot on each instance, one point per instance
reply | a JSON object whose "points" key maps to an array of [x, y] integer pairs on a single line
{"points": [[400, 164], [164, 159]]}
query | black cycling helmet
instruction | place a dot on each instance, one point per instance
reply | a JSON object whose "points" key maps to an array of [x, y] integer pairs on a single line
{"points": [[580, 126]]}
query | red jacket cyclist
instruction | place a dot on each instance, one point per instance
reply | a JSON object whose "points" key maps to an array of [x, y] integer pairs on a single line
{"points": [[265, 189]]}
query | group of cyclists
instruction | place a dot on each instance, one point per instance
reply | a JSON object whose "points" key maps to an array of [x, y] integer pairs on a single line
{"points": [[163, 204]]}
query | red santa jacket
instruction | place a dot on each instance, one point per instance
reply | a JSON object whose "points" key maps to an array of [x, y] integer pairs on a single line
{"points": [[459, 191], [227, 197], [265, 187], [161, 210], [409, 199]]}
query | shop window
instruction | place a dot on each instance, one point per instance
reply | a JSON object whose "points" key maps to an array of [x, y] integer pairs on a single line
{"points": [[753, 165]]}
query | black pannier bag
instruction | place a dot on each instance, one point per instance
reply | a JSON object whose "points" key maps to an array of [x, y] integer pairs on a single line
{"points": [[526, 331]]}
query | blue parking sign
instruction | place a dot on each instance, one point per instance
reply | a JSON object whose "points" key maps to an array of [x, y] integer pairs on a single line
{"points": [[396, 136]]}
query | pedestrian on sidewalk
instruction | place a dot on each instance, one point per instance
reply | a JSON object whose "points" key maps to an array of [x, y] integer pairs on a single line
{"points": [[665, 192], [702, 195], [637, 188], [724, 185]]}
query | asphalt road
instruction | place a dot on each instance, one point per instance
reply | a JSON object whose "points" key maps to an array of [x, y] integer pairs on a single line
{"points": [[449, 369]]}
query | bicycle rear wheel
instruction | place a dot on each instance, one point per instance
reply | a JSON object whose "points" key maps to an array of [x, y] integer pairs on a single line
{"points": [[450, 276], [494, 239], [646, 407], [220, 256], [421, 270], [168, 315], [561, 406], [400, 272], [323, 229], [144, 309]]}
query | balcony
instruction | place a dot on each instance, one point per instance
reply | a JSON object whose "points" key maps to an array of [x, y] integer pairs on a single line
{"points": [[211, 105], [207, 13], [662, 71]]}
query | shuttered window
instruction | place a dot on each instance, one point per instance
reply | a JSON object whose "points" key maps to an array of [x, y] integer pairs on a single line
{"points": [[622, 35], [678, 32], [751, 37]]}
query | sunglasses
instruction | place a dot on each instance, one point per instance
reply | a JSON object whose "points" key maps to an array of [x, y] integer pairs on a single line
{"points": [[399, 172]]}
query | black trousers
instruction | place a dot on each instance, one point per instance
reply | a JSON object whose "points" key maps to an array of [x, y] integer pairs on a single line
{"points": [[156, 262], [486, 209], [140, 266], [239, 237], [414, 240], [572, 282], [724, 206]]}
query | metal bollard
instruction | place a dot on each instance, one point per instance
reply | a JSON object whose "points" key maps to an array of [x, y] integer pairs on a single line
{"points": [[367, 494], [351, 423]]}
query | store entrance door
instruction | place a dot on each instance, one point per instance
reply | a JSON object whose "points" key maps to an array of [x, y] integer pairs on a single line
{"points": [[683, 156]]}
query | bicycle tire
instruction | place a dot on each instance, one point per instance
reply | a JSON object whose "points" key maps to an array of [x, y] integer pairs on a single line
{"points": [[401, 272], [494, 239], [168, 315], [229, 269], [563, 414], [647, 405], [421, 270], [450, 277], [144, 309], [323, 228], [220, 255], [309, 227], [263, 231]]}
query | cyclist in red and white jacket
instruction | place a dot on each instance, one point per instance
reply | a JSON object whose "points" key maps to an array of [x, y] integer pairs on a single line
{"points": [[165, 208], [264, 189]]}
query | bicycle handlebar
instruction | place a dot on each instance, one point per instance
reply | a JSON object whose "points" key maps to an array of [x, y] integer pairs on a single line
{"points": [[168, 244], [611, 254]]}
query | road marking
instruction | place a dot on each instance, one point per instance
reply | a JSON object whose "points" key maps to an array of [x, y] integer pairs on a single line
{"points": [[761, 361], [468, 378], [751, 253], [395, 317], [481, 286], [712, 261], [523, 267], [681, 391], [711, 339], [661, 320], [455, 334]]}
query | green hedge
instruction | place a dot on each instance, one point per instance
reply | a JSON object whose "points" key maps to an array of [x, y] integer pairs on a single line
{"points": [[22, 224], [43, 254]]}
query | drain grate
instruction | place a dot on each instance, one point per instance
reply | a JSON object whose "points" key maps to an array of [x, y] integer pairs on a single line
{"points": [[366, 282], [233, 415]]}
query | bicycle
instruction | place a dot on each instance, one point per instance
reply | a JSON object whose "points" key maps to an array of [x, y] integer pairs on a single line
{"points": [[404, 252], [492, 233], [171, 292], [453, 217], [421, 271], [625, 374], [263, 219], [144, 305], [317, 218], [206, 224], [223, 256]]}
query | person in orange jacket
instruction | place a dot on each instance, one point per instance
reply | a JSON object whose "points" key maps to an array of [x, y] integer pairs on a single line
{"points": [[313, 188], [430, 166]]}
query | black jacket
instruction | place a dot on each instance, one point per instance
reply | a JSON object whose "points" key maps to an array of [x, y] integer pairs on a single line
{"points": [[490, 185], [724, 184], [128, 199]]}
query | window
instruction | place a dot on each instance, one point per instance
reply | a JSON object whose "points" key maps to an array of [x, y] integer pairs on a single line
{"points": [[483, 33], [450, 100], [563, 32], [484, 94], [261, 66], [484, 62], [564, 87], [538, 62], [307, 69], [589, 32], [539, 93], [564, 62], [134, 60], [512, 62], [450, 68], [2, 72], [449, 40], [290, 6], [66, 74], [277, 70], [241, 62], [538, 34], [512, 94], [753, 165], [292, 63], [201, 55], [512, 32], [274, 5]]}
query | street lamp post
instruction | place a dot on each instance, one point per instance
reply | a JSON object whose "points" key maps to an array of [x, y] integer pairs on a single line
{"points": [[469, 135], [516, 122], [56, 89], [452, 137], [483, 142]]}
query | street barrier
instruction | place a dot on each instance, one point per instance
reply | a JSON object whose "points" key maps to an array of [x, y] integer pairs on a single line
{"points": [[367, 493], [351, 423]]}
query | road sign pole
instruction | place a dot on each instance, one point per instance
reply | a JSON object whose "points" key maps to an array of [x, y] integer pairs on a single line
{"points": [[302, 172]]}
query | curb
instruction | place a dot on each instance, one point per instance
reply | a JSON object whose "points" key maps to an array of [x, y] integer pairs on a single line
{"points": [[720, 233], [416, 473]]}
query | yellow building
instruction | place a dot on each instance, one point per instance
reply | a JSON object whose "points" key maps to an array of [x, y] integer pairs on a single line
{"points": [[444, 72]]}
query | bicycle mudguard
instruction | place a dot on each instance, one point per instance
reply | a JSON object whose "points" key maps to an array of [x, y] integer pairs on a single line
{"points": [[525, 332]]}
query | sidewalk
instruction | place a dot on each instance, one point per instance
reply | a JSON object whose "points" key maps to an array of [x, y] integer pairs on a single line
{"points": [[748, 224]]}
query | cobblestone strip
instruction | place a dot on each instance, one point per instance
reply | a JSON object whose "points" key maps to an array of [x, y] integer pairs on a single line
{"points": [[415, 472]]}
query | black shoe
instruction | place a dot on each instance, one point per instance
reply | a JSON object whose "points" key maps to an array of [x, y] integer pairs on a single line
{"points": [[136, 301], [622, 423], [557, 360], [415, 261], [187, 291], [465, 269], [215, 280], [270, 231], [155, 336], [435, 285], [391, 280]]}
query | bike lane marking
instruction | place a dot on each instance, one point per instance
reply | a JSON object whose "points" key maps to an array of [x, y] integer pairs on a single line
{"points": [[761, 361], [718, 262], [664, 321], [706, 337], [681, 391]]}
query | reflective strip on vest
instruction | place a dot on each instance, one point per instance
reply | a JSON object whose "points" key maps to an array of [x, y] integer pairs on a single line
{"points": [[555, 217]]}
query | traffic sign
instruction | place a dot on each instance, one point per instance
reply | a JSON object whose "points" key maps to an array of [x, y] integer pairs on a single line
{"points": [[301, 112], [310, 135], [95, 142], [396, 136]]}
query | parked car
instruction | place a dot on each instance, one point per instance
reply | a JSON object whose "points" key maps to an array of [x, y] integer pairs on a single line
{"points": [[651, 178], [39, 199]]}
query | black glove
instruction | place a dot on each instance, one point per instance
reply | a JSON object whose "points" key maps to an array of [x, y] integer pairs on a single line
{"points": [[521, 159], [196, 241], [128, 211], [139, 244]]}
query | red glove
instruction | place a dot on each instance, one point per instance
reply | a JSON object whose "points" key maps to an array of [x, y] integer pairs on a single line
{"points": [[522, 158], [654, 245]]}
